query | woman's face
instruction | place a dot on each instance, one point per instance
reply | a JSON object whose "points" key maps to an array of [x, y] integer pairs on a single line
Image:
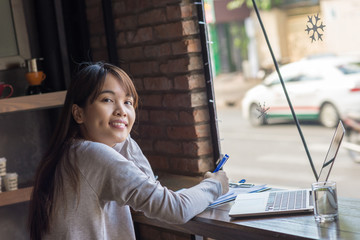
{"points": [[110, 117]]}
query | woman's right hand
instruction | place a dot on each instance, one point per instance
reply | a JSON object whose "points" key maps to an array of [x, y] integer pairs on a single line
{"points": [[221, 177]]}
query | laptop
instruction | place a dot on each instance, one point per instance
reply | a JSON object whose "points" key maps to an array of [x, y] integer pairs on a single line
{"points": [[286, 201]]}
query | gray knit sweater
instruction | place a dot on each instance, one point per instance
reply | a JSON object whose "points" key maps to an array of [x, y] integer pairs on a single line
{"points": [[111, 181]]}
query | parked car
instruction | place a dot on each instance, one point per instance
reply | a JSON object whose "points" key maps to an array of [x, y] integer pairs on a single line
{"points": [[322, 89]]}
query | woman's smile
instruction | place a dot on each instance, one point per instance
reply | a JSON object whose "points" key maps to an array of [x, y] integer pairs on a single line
{"points": [[120, 124]]}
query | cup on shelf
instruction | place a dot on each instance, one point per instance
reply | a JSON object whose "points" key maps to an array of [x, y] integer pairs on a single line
{"points": [[3, 86], [2, 167], [325, 201], [35, 78], [11, 181]]}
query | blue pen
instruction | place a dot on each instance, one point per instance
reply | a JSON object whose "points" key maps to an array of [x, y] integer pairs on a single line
{"points": [[221, 163]]}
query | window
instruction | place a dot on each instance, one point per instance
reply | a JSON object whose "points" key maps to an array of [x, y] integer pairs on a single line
{"points": [[272, 152], [14, 43]]}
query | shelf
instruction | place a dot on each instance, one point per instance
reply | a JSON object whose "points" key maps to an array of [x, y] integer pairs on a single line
{"points": [[32, 102], [16, 196]]}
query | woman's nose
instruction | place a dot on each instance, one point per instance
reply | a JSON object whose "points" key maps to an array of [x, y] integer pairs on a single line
{"points": [[119, 110]]}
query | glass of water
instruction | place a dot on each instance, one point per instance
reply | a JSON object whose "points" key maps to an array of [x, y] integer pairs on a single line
{"points": [[325, 201]]}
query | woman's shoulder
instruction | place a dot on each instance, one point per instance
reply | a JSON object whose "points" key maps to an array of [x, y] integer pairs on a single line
{"points": [[94, 151]]}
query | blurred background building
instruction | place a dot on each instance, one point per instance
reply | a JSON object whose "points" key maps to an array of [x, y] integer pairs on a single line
{"points": [[239, 45]]}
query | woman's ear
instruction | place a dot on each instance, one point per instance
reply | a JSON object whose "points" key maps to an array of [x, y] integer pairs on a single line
{"points": [[77, 113]]}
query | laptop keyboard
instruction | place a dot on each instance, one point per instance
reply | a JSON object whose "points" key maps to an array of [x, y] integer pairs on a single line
{"points": [[287, 200]]}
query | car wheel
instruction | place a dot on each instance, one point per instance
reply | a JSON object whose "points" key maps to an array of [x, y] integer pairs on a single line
{"points": [[329, 116], [254, 114]]}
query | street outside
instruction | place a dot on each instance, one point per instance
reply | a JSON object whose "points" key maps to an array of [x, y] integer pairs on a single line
{"points": [[274, 154]]}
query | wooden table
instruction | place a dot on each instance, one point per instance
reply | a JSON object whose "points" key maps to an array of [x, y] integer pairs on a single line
{"points": [[215, 223]]}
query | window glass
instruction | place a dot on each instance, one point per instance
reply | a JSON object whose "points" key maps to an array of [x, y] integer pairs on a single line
{"points": [[8, 45], [318, 56], [350, 68]]}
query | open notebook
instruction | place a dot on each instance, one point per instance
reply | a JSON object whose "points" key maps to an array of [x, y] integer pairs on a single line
{"points": [[287, 201]]}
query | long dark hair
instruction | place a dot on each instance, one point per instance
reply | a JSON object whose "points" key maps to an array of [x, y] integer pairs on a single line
{"points": [[48, 185]]}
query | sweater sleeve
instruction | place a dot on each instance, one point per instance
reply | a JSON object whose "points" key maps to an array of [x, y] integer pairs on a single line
{"points": [[114, 178]]}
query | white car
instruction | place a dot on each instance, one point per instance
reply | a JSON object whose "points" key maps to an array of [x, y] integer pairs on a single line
{"points": [[322, 89]]}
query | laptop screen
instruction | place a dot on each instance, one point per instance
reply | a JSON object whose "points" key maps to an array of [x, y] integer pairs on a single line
{"points": [[332, 152]]}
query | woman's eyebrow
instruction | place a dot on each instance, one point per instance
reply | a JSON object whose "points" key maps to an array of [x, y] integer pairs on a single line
{"points": [[107, 91], [113, 93]]}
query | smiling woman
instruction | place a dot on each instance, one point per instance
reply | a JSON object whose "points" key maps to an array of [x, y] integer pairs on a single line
{"points": [[94, 171]]}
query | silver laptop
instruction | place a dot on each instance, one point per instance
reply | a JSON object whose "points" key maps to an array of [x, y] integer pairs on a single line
{"points": [[287, 201]]}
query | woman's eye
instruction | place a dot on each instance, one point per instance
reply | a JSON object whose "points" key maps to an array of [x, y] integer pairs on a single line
{"points": [[107, 100], [129, 102]]}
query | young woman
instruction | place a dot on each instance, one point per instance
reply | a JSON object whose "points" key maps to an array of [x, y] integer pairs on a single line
{"points": [[93, 171]]}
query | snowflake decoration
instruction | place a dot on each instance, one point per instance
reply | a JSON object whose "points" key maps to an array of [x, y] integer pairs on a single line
{"points": [[263, 111], [314, 27]]}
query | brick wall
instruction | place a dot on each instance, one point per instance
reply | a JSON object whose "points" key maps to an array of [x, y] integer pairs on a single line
{"points": [[158, 44]]}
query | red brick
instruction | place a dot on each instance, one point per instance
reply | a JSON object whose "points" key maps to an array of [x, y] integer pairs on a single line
{"points": [[189, 82], [187, 166], [179, 65], [143, 68], [158, 162], [168, 31], [139, 85], [197, 81], [201, 115], [153, 100], [190, 27], [126, 68], [197, 148], [157, 83], [125, 22], [196, 63], [145, 145], [181, 132], [154, 16], [188, 132], [203, 130], [151, 131], [205, 164], [142, 35], [121, 39], [199, 99], [188, 10], [143, 115], [137, 5], [100, 55], [170, 147], [118, 8], [165, 2], [186, 117], [194, 116], [193, 45], [159, 50], [161, 116], [186, 46], [173, 12], [177, 100], [135, 53], [183, 164]]}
